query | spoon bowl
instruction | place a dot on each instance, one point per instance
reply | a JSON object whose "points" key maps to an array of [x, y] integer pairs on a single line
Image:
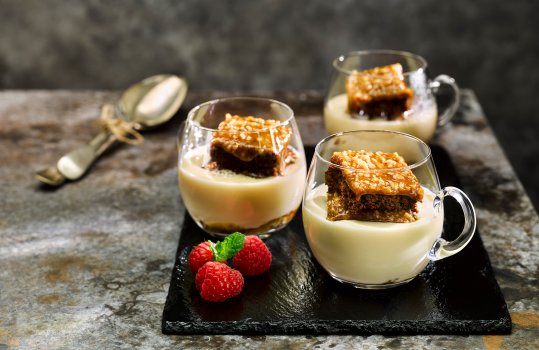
{"points": [[153, 101]]}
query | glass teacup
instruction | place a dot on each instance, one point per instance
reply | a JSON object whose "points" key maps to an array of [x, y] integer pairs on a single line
{"points": [[379, 255], [422, 116], [237, 175]]}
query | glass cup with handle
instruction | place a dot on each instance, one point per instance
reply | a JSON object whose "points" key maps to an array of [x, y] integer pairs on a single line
{"points": [[423, 116], [379, 255]]}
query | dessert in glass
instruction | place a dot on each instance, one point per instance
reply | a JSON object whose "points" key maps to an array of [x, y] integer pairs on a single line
{"points": [[241, 166], [373, 208], [386, 90]]}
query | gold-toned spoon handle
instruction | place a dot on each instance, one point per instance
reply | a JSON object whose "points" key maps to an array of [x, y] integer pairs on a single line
{"points": [[74, 164]]}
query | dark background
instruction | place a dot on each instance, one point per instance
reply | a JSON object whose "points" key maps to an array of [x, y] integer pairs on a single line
{"points": [[489, 46]]}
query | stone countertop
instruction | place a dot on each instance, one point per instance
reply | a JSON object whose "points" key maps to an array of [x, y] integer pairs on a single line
{"points": [[88, 265]]}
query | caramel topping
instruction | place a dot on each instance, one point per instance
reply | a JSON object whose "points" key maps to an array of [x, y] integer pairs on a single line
{"points": [[245, 137], [382, 180], [380, 83]]}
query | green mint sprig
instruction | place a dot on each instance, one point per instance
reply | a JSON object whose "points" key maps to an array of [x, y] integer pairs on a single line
{"points": [[226, 249]]}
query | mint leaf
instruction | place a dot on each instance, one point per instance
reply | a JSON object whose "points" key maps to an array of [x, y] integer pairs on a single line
{"points": [[227, 248]]}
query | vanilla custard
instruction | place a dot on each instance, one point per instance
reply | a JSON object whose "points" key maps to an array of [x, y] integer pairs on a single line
{"points": [[222, 198], [421, 120]]}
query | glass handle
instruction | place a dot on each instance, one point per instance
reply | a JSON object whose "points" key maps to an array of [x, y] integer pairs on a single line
{"points": [[449, 112], [442, 248]]}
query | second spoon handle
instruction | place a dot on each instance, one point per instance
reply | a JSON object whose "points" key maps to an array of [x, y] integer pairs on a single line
{"points": [[74, 164]]}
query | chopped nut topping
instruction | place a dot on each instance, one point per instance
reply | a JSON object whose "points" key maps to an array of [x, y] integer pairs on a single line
{"points": [[386, 182], [246, 137]]}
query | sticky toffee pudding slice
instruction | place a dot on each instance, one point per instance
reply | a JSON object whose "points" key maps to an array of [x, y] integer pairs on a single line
{"points": [[371, 186], [379, 92], [252, 146]]}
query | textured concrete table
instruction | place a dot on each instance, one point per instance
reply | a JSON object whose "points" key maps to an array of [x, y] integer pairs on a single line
{"points": [[88, 265]]}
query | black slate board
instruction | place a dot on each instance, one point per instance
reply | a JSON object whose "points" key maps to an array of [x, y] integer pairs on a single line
{"points": [[457, 295]]}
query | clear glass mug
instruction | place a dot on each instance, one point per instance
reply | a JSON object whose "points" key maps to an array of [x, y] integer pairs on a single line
{"points": [[422, 118], [221, 201], [379, 255]]}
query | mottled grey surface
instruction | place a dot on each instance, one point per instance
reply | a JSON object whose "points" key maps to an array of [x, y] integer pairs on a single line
{"points": [[489, 46], [88, 265]]}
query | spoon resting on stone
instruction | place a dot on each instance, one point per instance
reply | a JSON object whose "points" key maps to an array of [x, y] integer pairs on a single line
{"points": [[142, 106]]}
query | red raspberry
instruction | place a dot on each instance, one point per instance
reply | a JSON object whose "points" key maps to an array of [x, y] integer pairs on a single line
{"points": [[254, 258], [216, 281], [200, 255]]}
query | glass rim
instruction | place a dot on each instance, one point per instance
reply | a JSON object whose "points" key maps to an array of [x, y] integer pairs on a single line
{"points": [[341, 58], [408, 167], [192, 112]]}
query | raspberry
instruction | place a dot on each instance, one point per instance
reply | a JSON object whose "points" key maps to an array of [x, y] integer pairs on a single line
{"points": [[200, 255], [216, 281], [254, 258]]}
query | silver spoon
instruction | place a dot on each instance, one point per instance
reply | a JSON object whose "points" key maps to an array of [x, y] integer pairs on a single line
{"points": [[146, 104]]}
